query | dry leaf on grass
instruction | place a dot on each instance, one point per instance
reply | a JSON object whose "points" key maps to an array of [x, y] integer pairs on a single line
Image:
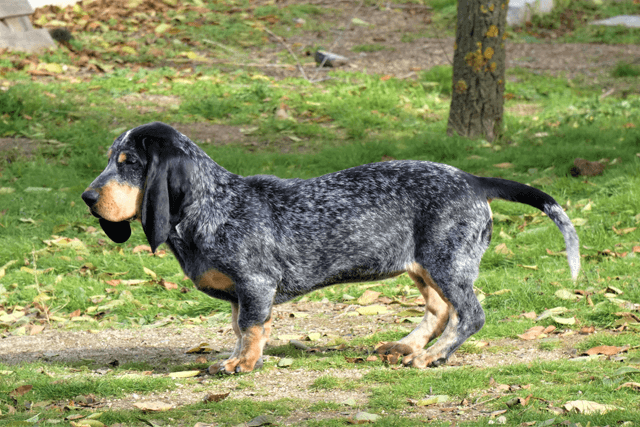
{"points": [[532, 333], [588, 407], [607, 350], [155, 406], [184, 374], [19, 391], [635, 386], [368, 297], [215, 397]]}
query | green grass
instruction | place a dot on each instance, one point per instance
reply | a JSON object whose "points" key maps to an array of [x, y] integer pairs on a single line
{"points": [[625, 69], [568, 22], [52, 252]]}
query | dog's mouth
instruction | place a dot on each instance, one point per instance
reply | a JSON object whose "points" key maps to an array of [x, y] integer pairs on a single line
{"points": [[119, 232]]}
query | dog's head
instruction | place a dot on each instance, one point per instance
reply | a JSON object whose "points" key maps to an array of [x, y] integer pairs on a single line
{"points": [[146, 179]]}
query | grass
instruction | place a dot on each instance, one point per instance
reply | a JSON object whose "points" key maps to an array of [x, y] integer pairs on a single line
{"points": [[52, 254]]}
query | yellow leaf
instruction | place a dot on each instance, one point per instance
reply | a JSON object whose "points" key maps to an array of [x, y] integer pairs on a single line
{"points": [[503, 250], [298, 314], [129, 50], [372, 309], [153, 406], [51, 67], [184, 374], [579, 222], [203, 348], [41, 297], [7, 190], [162, 28], [588, 407], [150, 273], [368, 297]]}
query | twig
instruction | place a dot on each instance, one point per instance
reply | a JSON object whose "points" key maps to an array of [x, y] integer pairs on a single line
{"points": [[444, 51], [281, 40], [220, 45]]}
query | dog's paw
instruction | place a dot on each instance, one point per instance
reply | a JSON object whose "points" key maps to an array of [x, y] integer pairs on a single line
{"points": [[423, 359], [235, 365], [393, 352]]}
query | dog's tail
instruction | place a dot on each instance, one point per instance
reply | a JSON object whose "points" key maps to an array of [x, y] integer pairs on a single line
{"points": [[497, 188]]}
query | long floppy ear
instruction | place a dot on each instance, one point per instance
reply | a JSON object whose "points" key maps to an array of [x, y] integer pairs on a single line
{"points": [[167, 189], [156, 208]]}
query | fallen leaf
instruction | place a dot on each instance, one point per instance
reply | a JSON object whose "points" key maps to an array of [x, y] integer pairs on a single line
{"points": [[586, 330], [363, 418], [215, 397], [184, 374], [532, 333], [607, 350], [150, 273], [551, 312], [372, 309], [153, 406], [262, 420], [530, 315], [566, 295], [142, 248], [588, 407], [285, 362], [298, 314], [368, 297], [203, 348], [23, 389], [168, 285], [634, 386], [503, 249], [36, 329], [564, 320], [314, 336], [440, 398]]}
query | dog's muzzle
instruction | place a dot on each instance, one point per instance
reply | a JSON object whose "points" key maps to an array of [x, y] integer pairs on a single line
{"points": [[119, 232]]}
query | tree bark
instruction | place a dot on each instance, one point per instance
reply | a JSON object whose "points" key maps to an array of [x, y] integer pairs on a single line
{"points": [[478, 69]]}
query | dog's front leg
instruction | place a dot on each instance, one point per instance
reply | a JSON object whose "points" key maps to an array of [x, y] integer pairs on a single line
{"points": [[251, 321]]}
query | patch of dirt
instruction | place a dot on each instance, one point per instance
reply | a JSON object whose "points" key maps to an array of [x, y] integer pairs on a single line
{"points": [[212, 133], [404, 58], [146, 102], [21, 146]]}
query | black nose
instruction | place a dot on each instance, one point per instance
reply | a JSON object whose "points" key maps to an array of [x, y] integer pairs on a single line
{"points": [[90, 197]]}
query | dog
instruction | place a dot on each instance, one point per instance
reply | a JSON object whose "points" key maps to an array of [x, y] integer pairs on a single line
{"points": [[260, 240]]}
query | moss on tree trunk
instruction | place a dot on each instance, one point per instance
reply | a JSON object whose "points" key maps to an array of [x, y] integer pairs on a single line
{"points": [[478, 69]]}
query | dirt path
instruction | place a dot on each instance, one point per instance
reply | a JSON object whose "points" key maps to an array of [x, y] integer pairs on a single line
{"points": [[164, 347]]}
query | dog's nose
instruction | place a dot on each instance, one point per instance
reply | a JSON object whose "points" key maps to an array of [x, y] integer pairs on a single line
{"points": [[90, 197]]}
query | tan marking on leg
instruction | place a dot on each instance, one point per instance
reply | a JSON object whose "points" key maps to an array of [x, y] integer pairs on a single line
{"points": [[437, 351], [118, 202], [109, 153], [213, 279], [433, 322], [254, 339], [122, 157]]}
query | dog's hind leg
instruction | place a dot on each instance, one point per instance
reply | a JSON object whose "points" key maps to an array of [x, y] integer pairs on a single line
{"points": [[432, 324], [465, 316]]}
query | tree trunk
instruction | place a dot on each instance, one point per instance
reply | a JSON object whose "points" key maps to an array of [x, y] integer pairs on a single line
{"points": [[478, 69]]}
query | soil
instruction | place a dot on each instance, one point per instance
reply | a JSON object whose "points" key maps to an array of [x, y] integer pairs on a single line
{"points": [[165, 347]]}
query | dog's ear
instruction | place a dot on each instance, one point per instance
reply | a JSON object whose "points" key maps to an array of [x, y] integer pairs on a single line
{"points": [[166, 190]]}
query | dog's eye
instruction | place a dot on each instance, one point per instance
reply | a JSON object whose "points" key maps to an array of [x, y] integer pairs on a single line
{"points": [[127, 159]]}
